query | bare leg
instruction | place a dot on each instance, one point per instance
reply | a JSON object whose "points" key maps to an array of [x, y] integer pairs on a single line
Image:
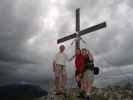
{"points": [[57, 84], [77, 78]]}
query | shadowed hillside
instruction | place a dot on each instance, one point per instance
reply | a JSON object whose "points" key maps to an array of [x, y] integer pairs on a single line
{"points": [[21, 92]]}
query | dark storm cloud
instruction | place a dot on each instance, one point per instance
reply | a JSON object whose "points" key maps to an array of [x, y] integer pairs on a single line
{"points": [[18, 22], [21, 20]]}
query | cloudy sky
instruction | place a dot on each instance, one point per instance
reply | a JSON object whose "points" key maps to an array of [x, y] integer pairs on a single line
{"points": [[29, 30]]}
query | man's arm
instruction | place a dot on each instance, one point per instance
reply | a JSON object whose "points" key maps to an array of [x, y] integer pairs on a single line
{"points": [[70, 59]]}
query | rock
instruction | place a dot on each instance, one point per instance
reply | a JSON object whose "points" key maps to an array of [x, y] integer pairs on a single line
{"points": [[110, 93]]}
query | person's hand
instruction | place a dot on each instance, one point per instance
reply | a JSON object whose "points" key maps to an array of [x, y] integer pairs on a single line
{"points": [[78, 78]]}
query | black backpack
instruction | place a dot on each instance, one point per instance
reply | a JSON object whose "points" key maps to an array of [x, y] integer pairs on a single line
{"points": [[96, 70]]}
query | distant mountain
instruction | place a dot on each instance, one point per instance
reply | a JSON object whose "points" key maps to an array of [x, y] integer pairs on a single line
{"points": [[21, 92], [123, 84]]}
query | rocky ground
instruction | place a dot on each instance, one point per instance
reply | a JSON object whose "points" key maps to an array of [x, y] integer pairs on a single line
{"points": [[109, 93]]}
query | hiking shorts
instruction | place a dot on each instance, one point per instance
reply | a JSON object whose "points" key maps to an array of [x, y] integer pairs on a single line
{"points": [[88, 76], [60, 72]]}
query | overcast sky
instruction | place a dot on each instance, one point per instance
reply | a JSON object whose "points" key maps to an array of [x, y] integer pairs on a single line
{"points": [[29, 30]]}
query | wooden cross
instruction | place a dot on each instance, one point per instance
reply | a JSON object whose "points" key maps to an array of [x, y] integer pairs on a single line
{"points": [[79, 32]]}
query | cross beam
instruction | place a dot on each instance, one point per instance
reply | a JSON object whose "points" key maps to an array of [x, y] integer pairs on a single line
{"points": [[82, 32], [79, 32]]}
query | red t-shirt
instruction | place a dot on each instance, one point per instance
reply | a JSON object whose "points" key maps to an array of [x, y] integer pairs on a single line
{"points": [[79, 62]]}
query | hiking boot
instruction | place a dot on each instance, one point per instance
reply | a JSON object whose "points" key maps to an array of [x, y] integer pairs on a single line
{"points": [[81, 94], [87, 98]]}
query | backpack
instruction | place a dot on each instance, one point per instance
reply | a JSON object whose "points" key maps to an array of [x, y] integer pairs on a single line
{"points": [[90, 65], [96, 70]]}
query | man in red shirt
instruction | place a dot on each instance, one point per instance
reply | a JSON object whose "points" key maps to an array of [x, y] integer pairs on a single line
{"points": [[79, 64]]}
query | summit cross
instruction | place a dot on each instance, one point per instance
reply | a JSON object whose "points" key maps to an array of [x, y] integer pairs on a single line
{"points": [[79, 32]]}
